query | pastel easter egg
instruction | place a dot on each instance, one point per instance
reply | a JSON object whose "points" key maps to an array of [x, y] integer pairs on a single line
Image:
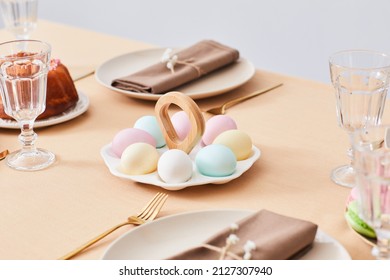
{"points": [[139, 159], [238, 141], [216, 161], [175, 166], [215, 126], [129, 136], [150, 125], [181, 123]]}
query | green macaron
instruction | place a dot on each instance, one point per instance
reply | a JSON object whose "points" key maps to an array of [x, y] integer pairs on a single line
{"points": [[353, 219]]}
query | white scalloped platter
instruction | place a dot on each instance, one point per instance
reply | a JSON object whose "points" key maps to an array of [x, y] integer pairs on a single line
{"points": [[112, 162]]}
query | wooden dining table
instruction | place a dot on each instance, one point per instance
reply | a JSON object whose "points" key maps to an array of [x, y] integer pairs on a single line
{"points": [[47, 213]]}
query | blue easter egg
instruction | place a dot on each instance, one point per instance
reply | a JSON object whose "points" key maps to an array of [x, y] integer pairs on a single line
{"points": [[216, 160], [150, 125]]}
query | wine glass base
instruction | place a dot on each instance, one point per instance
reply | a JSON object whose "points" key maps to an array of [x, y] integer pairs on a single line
{"points": [[30, 161], [380, 255], [344, 176]]}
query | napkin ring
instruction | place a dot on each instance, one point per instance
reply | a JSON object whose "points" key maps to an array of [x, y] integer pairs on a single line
{"points": [[232, 239], [172, 59]]}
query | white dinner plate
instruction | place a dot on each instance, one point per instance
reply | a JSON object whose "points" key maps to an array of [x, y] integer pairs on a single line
{"points": [[171, 235], [112, 161], [81, 106], [217, 82]]}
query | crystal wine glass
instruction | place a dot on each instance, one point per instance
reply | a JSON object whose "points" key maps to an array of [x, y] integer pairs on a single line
{"points": [[372, 166], [23, 77], [19, 16], [361, 79]]}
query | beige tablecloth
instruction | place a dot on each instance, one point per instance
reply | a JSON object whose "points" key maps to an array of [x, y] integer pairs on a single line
{"points": [[45, 214]]}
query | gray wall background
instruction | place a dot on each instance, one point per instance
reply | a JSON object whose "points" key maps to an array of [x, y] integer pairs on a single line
{"points": [[292, 37]]}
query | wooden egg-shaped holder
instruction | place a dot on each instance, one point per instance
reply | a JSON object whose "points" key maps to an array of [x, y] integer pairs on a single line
{"points": [[195, 115]]}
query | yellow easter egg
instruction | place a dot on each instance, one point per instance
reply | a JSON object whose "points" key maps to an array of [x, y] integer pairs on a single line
{"points": [[139, 159], [238, 141]]}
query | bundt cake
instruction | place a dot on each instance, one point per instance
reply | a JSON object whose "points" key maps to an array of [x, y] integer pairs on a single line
{"points": [[61, 93]]}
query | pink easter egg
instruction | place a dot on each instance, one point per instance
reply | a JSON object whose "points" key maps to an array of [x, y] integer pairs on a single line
{"points": [[181, 123], [128, 136], [215, 126]]}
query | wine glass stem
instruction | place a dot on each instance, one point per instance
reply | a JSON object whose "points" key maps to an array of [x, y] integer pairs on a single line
{"points": [[350, 150], [27, 137], [350, 155]]}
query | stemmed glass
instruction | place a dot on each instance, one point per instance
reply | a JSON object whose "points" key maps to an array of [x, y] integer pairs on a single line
{"points": [[372, 166], [24, 66], [361, 79], [19, 16]]}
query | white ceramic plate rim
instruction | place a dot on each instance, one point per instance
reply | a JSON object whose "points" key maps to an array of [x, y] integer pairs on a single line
{"points": [[80, 108], [170, 235], [215, 83], [112, 162]]}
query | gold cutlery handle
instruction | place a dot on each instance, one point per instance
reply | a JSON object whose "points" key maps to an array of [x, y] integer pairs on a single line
{"points": [[253, 94], [93, 241], [3, 154], [84, 76]]}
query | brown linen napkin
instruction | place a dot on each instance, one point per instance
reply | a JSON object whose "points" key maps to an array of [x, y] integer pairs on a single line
{"points": [[276, 237], [192, 63]]}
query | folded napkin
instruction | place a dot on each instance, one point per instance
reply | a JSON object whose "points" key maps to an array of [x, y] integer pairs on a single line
{"points": [[188, 65], [271, 237]]}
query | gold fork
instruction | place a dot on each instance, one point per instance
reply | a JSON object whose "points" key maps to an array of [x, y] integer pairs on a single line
{"points": [[220, 110], [148, 213]]}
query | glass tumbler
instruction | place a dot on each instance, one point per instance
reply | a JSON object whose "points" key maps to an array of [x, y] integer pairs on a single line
{"points": [[19, 16]]}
